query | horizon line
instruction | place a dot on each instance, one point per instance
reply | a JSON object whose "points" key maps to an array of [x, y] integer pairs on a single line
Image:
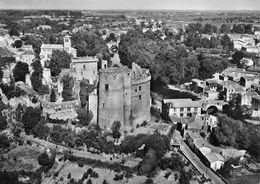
{"points": [[134, 9]]}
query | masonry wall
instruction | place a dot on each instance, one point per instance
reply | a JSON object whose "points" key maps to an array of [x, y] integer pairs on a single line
{"points": [[141, 102], [114, 97]]}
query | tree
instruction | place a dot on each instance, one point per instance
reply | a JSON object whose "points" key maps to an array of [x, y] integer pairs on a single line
{"points": [[44, 90], [115, 129], [227, 43], [3, 123], [41, 130], [59, 60], [83, 94], [4, 141], [20, 70], [45, 160], [14, 30], [36, 77], [67, 92], [30, 118], [18, 43], [1, 75], [53, 96], [224, 28], [84, 116], [208, 29], [237, 56]]}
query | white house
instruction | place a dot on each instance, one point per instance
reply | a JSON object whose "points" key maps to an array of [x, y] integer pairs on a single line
{"points": [[215, 160]]}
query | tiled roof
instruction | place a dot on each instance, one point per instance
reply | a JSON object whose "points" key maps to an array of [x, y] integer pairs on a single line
{"points": [[177, 103], [213, 157], [52, 46], [4, 52]]}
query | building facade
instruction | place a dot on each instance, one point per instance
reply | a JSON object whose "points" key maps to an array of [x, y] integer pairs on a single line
{"points": [[181, 108], [124, 95], [47, 49]]}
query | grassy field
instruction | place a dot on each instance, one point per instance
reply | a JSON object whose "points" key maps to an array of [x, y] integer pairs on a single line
{"points": [[254, 179], [20, 158]]}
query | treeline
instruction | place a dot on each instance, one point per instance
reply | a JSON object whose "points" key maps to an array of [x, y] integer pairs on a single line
{"points": [[235, 133], [168, 61]]}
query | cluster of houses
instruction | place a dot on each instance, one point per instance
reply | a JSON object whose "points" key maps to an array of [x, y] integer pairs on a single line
{"points": [[211, 156]]}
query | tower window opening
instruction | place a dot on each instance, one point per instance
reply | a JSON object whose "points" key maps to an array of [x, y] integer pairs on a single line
{"points": [[106, 87]]}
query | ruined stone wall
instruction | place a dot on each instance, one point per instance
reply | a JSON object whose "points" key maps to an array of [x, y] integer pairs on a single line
{"points": [[141, 102]]}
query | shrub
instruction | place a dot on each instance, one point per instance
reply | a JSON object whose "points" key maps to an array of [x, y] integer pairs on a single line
{"points": [[94, 174], [80, 164], [69, 176]]}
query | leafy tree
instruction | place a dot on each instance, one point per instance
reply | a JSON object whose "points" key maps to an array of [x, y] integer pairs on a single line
{"points": [[18, 43], [237, 56], [84, 116], [20, 70], [14, 30], [19, 112], [4, 141], [89, 44], [83, 94], [209, 66], [226, 132], [67, 92], [30, 118], [59, 60], [41, 130], [36, 77], [3, 123], [111, 37], [208, 29], [34, 41], [228, 45], [45, 160], [224, 28], [53, 96]]}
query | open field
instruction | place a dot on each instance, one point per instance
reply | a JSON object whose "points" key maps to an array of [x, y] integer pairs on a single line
{"points": [[253, 179], [21, 158]]}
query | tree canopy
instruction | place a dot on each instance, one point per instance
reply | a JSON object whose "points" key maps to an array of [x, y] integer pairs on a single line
{"points": [[59, 60], [20, 70]]}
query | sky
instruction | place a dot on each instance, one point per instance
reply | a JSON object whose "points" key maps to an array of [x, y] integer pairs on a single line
{"points": [[132, 4]]}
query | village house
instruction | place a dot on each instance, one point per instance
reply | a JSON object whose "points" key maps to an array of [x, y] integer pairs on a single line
{"points": [[248, 80], [256, 106], [204, 151], [180, 108]]}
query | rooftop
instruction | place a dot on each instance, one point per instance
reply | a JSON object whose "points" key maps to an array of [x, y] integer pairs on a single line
{"points": [[214, 157], [84, 59], [4, 52], [177, 103], [52, 46]]}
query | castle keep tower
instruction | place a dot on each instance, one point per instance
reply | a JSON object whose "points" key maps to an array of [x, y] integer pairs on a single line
{"points": [[114, 96], [124, 95]]}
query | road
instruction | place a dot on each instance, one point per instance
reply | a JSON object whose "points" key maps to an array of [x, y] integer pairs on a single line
{"points": [[192, 157]]}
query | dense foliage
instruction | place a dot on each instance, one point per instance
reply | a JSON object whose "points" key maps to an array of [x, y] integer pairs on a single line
{"points": [[20, 70], [36, 77], [59, 60], [67, 92]]}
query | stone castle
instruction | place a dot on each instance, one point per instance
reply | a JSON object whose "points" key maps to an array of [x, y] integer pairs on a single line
{"points": [[124, 95]]}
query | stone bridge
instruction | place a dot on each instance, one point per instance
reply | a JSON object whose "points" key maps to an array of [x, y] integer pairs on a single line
{"points": [[212, 106]]}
